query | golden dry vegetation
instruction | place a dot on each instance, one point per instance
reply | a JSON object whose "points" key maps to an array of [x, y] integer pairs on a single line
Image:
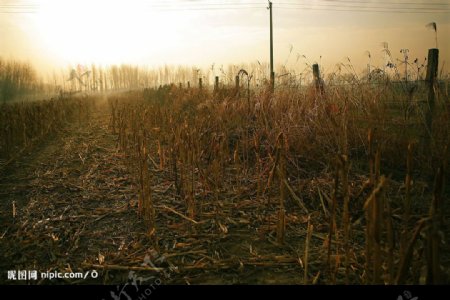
{"points": [[299, 186]]}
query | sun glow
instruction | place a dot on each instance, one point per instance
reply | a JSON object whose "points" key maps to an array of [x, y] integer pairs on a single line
{"points": [[106, 31], [57, 33]]}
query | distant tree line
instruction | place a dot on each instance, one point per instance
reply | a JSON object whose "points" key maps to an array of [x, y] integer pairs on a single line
{"points": [[128, 77], [17, 78]]}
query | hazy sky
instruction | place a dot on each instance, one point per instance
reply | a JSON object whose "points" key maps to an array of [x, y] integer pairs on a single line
{"points": [[56, 33]]}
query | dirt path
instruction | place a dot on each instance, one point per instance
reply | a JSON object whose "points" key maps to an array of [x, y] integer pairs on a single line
{"points": [[72, 202]]}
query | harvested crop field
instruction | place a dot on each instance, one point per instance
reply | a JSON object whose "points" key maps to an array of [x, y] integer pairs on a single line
{"points": [[193, 187]]}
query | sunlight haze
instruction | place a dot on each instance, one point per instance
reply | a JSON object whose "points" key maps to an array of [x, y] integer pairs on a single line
{"points": [[54, 34]]}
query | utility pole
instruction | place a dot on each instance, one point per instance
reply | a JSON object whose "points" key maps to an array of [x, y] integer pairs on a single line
{"points": [[272, 74]]}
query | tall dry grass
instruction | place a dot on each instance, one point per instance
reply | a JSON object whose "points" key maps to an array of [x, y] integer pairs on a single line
{"points": [[22, 125], [315, 145]]}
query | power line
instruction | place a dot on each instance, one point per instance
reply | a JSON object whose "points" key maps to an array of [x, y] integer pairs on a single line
{"points": [[403, 4], [367, 11], [405, 11], [155, 4], [389, 3], [362, 7], [198, 3], [163, 6], [156, 8], [199, 6]]}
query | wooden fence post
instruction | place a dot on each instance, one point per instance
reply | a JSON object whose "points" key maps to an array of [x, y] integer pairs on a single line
{"points": [[216, 84], [200, 85], [188, 84], [317, 80], [432, 68], [272, 82]]}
